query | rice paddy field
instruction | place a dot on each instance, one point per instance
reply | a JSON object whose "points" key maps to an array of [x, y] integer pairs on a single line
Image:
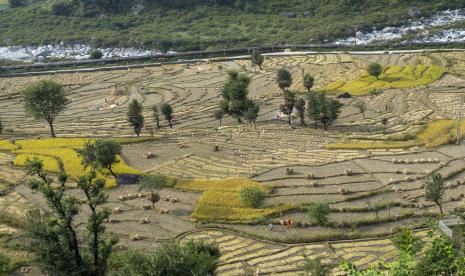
{"points": [[377, 158]]}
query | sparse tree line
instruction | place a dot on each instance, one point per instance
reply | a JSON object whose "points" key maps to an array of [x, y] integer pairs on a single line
{"points": [[46, 99]]}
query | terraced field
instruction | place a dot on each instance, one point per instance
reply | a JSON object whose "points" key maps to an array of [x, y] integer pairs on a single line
{"points": [[362, 161]]}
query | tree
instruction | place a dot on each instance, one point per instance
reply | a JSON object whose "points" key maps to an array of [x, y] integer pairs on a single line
{"points": [[328, 109], [135, 117], [314, 107], [235, 95], [95, 54], [300, 107], [171, 259], [361, 106], [252, 113], [434, 190], [52, 233], [1, 127], [102, 154], [156, 116], [257, 59], [167, 111], [152, 184], [100, 248], [219, 114], [288, 107], [251, 197], [45, 99], [308, 82], [284, 79], [375, 69], [318, 213]]}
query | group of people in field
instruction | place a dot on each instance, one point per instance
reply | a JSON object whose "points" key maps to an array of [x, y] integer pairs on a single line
{"points": [[289, 224]]}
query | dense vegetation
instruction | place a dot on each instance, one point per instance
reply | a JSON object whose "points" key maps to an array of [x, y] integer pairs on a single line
{"points": [[201, 24]]}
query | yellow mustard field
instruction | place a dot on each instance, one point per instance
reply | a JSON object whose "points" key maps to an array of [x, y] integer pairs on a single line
{"points": [[435, 134], [60, 149], [221, 200], [392, 77]]}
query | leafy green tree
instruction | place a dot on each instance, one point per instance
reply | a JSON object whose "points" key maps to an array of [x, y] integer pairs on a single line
{"points": [[319, 212], [257, 59], [135, 117], [375, 69], [167, 111], [434, 190], [152, 184], [102, 154], [251, 197], [52, 234], [252, 113], [171, 259], [219, 114], [300, 107], [100, 248], [361, 106], [45, 99], [314, 107], [323, 109], [235, 95], [439, 259], [156, 116], [284, 79], [289, 103], [95, 54], [308, 82]]}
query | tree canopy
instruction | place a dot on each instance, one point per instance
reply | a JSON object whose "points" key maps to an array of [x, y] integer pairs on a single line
{"points": [[45, 99], [235, 95], [135, 117]]}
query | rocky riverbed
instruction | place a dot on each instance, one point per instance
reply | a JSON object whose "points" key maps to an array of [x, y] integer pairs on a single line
{"points": [[421, 27]]}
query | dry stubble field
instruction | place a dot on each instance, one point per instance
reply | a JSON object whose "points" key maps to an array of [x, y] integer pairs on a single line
{"points": [[358, 163]]}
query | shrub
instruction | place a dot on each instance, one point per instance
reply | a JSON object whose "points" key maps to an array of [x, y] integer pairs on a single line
{"points": [[172, 258], [319, 212], [95, 54], [251, 197]]}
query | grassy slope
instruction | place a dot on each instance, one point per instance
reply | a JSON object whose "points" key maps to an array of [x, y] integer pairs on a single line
{"points": [[203, 27]]}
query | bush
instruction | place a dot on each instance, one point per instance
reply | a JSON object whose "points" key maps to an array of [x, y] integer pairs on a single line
{"points": [[319, 212], [192, 258], [96, 54], [251, 197]]}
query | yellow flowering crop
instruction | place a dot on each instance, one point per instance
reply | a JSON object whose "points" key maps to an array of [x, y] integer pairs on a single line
{"points": [[63, 149], [393, 77]]}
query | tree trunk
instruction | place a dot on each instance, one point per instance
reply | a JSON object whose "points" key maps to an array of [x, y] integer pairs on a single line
{"points": [[220, 121], [95, 252], [74, 244], [289, 119], [169, 122], [158, 123], [440, 208], [239, 121], [302, 121], [52, 130], [112, 172]]}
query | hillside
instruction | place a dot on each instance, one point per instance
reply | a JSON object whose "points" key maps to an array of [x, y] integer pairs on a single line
{"points": [[177, 25]]}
